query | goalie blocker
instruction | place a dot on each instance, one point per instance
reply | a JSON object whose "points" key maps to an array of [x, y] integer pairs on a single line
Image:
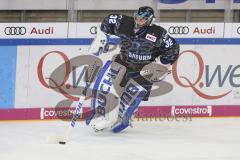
{"points": [[109, 111]]}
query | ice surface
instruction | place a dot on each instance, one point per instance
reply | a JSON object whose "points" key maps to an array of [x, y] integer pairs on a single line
{"points": [[199, 139]]}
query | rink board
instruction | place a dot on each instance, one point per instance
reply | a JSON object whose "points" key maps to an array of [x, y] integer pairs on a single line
{"points": [[153, 112], [219, 79], [215, 92], [205, 80]]}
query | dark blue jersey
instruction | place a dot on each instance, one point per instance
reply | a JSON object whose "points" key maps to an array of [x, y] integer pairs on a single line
{"points": [[144, 45]]}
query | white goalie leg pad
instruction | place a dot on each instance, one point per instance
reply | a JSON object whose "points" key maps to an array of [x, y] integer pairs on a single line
{"points": [[129, 101], [105, 122], [119, 118], [105, 101]]}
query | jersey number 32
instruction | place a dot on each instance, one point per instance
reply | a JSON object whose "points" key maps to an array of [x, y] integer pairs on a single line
{"points": [[113, 19]]}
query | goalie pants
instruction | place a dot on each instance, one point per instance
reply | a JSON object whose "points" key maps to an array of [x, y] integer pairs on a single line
{"points": [[133, 71]]}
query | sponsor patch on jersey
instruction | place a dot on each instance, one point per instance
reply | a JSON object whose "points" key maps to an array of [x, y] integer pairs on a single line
{"points": [[151, 38]]}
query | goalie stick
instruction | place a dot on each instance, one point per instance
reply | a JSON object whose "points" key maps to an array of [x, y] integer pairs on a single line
{"points": [[62, 139], [98, 45]]}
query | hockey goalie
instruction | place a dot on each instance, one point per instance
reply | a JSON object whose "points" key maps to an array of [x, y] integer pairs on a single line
{"points": [[142, 43]]}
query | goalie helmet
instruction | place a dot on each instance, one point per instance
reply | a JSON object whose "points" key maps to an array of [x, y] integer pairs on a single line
{"points": [[144, 16]]}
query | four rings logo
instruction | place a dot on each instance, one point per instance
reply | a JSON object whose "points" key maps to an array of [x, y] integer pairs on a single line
{"points": [[178, 30], [15, 30]]}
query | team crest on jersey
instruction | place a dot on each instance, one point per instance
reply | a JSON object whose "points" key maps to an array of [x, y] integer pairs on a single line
{"points": [[151, 38]]}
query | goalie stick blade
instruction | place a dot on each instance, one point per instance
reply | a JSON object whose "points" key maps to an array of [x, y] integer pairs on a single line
{"points": [[57, 139]]}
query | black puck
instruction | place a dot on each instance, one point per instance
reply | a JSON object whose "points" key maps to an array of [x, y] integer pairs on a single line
{"points": [[61, 142]]}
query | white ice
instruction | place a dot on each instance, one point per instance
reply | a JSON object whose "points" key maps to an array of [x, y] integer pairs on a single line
{"points": [[199, 139]]}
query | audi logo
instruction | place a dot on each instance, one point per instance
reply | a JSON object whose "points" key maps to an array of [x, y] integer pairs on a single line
{"points": [[15, 30], [238, 30], [93, 30], [178, 30]]}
